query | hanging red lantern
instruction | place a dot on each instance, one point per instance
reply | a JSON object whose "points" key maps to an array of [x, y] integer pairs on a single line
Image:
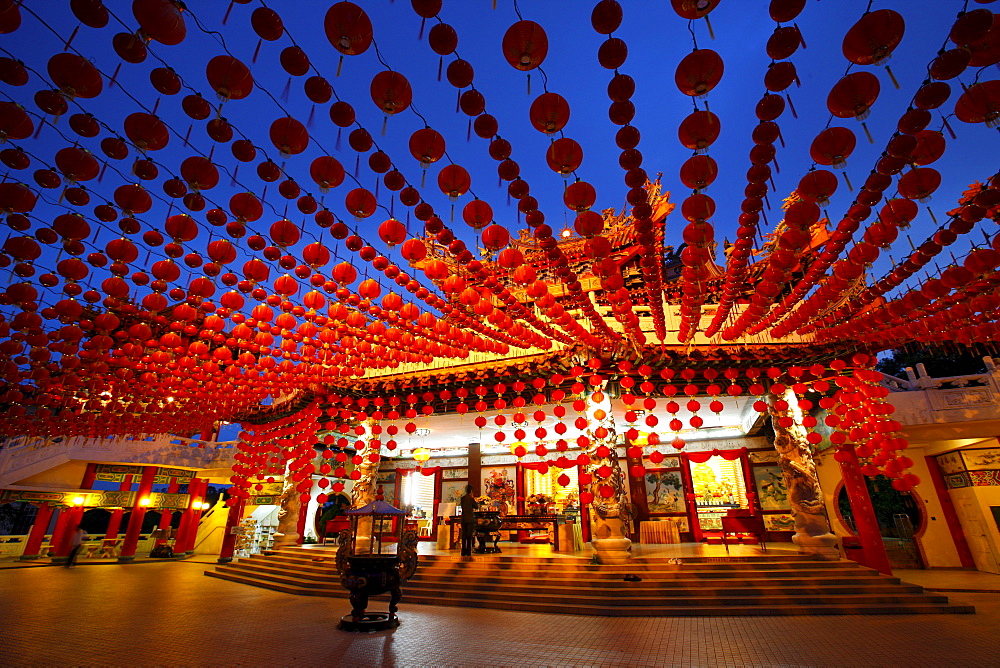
{"points": [[289, 136], [75, 76], [160, 20], [780, 76], [391, 92], [980, 103], [146, 131], [564, 156], [361, 203], [693, 9], [267, 24], [229, 78], [525, 45], [699, 172], [427, 146], [495, 237], [454, 181], [199, 172], [930, 147], [853, 95], [699, 72], [327, 172], [348, 28], [77, 164], [477, 214], [699, 130], [817, 186], [872, 39], [392, 232], [919, 183], [579, 196], [783, 42], [549, 113], [833, 146]]}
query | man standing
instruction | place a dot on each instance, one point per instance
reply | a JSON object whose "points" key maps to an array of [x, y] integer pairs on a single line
{"points": [[76, 542], [469, 506]]}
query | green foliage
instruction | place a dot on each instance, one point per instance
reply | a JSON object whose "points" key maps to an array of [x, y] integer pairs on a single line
{"points": [[937, 362], [886, 501]]}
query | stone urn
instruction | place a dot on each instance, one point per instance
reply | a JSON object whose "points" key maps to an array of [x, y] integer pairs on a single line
{"points": [[487, 528], [370, 575]]}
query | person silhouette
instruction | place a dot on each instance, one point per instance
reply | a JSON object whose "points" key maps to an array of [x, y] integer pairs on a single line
{"points": [[469, 505], [76, 542]]}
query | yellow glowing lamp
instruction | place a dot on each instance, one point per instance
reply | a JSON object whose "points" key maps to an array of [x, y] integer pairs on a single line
{"points": [[145, 502], [421, 455], [78, 500]]}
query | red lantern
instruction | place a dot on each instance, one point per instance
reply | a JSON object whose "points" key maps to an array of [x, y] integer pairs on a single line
{"points": [[699, 72], [919, 183], [564, 156], [454, 181], [872, 39], [160, 20], [391, 92], [833, 146], [327, 172], [853, 95], [289, 136], [229, 78], [427, 146], [549, 113], [348, 28], [75, 76], [392, 232], [360, 203], [699, 130], [146, 131], [525, 45], [980, 104]]}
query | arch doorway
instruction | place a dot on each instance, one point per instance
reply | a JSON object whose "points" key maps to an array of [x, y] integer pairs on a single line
{"points": [[900, 517]]}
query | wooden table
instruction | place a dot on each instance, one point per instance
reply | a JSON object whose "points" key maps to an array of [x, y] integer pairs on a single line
{"points": [[659, 532], [517, 523]]}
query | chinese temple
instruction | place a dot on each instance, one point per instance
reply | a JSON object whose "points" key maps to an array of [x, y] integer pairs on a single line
{"points": [[265, 263]]}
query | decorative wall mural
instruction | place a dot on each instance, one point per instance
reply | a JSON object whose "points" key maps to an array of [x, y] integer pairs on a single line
{"points": [[951, 463], [982, 460], [780, 522], [771, 488], [664, 492]]}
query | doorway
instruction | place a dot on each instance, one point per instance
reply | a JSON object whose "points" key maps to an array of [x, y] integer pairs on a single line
{"points": [[899, 516], [719, 486]]}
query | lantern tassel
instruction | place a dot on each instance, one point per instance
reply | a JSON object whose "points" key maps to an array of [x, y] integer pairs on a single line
{"points": [[312, 115], [420, 35], [892, 77], [114, 76], [529, 83], [100, 177], [340, 65], [781, 138], [235, 172], [256, 51], [286, 90], [777, 167], [187, 135], [452, 213], [376, 187], [458, 101], [440, 65], [340, 132], [791, 105], [385, 120], [708, 24], [930, 212], [228, 9], [468, 131], [156, 105], [948, 127], [357, 164], [847, 180], [423, 177], [867, 133], [39, 130], [70, 40]]}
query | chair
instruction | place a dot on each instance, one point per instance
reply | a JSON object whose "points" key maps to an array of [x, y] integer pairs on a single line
{"points": [[334, 526], [109, 548], [743, 521]]}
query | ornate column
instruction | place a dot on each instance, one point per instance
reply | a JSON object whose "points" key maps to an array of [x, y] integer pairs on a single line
{"points": [[134, 529], [610, 505], [363, 492], [37, 535], [289, 507], [812, 528]]}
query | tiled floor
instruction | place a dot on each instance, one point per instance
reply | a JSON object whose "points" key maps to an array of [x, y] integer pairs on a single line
{"points": [[171, 614]]}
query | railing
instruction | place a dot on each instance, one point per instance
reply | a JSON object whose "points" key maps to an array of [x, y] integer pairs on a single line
{"points": [[21, 454], [924, 399]]}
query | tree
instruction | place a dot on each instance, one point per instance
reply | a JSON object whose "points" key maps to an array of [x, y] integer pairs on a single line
{"points": [[936, 361]]}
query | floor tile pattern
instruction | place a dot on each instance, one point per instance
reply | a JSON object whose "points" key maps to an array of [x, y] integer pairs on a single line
{"points": [[169, 614]]}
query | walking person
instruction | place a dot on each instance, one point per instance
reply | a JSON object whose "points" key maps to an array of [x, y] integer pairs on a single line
{"points": [[76, 542], [469, 506]]}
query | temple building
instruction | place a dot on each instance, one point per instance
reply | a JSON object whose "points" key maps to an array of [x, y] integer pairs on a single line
{"points": [[255, 284]]}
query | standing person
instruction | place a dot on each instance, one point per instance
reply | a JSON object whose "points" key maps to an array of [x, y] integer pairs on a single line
{"points": [[76, 543], [469, 507]]}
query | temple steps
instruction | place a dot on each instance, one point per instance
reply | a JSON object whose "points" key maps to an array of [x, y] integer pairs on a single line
{"points": [[699, 586]]}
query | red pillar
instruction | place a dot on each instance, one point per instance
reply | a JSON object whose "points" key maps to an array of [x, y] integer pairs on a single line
{"points": [[872, 547], [138, 514], [229, 538], [690, 502], [300, 526], [167, 514], [950, 516], [37, 535], [89, 476], [62, 535], [188, 530], [115, 523]]}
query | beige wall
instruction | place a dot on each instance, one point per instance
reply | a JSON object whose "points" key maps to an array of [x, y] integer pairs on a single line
{"points": [[63, 477], [936, 542], [982, 498]]}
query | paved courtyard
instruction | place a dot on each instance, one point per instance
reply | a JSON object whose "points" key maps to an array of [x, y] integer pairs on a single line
{"points": [[170, 614]]}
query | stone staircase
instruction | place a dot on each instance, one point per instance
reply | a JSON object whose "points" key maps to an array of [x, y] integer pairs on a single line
{"points": [[700, 586]]}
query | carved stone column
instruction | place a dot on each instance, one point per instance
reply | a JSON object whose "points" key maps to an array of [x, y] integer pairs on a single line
{"points": [[610, 514], [812, 528], [289, 507], [362, 493]]}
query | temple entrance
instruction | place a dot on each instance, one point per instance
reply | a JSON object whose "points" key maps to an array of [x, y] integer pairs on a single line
{"points": [[719, 486], [899, 518], [416, 496], [545, 493]]}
